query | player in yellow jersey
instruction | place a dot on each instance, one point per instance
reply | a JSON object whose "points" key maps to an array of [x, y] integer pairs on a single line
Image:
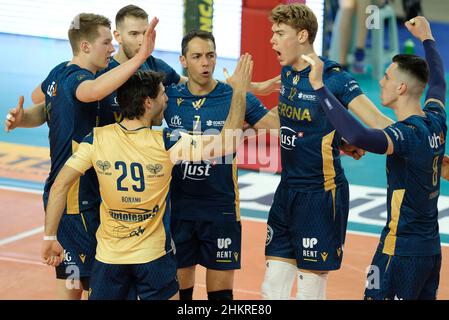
{"points": [[133, 164]]}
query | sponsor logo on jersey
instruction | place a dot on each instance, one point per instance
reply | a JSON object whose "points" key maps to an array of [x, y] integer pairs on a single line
{"points": [[52, 88], [124, 232], [154, 168], [199, 103], [352, 85], [104, 166], [176, 121], [288, 138], [213, 123], [436, 141], [133, 214], [305, 96], [299, 114], [196, 171]]}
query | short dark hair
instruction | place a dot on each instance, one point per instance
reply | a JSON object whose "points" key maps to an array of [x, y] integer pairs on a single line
{"points": [[414, 66], [85, 27], [205, 35], [129, 11], [132, 94]]}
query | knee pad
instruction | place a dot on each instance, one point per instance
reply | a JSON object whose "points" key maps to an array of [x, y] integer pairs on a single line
{"points": [[311, 286], [278, 281]]}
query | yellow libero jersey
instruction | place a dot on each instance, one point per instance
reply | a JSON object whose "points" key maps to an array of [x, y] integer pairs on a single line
{"points": [[134, 172]]}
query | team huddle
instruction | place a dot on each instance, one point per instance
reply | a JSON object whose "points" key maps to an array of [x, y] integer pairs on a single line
{"points": [[137, 208]]}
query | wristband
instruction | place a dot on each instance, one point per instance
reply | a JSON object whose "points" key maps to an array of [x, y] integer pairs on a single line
{"points": [[50, 238]]}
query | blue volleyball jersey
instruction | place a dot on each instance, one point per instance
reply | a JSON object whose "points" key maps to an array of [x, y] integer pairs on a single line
{"points": [[413, 174], [69, 121], [309, 143], [109, 111], [206, 190]]}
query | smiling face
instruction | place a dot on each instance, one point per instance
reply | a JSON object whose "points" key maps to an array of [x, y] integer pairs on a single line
{"points": [[199, 60]]}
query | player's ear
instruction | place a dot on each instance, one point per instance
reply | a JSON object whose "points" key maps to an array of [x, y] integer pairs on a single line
{"points": [[148, 103], [85, 46], [117, 36], [303, 36], [183, 61], [402, 88]]}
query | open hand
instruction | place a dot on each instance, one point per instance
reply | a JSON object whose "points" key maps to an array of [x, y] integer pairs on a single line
{"points": [[241, 79], [149, 40], [14, 116]]}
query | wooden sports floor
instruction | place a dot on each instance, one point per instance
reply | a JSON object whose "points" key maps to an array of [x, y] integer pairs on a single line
{"points": [[23, 276]]}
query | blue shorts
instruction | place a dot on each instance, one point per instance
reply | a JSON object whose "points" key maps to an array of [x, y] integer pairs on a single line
{"points": [[309, 227], [403, 277], [76, 234], [213, 244], [155, 280]]}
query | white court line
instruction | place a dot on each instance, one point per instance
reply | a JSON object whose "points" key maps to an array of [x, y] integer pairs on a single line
{"points": [[18, 189], [24, 261], [22, 235], [361, 233]]}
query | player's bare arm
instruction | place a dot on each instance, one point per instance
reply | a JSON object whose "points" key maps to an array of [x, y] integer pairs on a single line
{"points": [[52, 252], [93, 90], [30, 117]]}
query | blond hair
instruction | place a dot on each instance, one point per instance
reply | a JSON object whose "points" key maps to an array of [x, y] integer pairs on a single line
{"points": [[85, 27], [298, 16]]}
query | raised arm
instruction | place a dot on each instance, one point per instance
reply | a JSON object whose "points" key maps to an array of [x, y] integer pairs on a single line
{"points": [[94, 90], [419, 27], [373, 140]]}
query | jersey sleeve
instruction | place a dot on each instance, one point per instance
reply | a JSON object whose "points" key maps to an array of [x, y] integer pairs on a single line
{"points": [[436, 107], [255, 110], [171, 76], [76, 78], [81, 160], [343, 86], [404, 137]]}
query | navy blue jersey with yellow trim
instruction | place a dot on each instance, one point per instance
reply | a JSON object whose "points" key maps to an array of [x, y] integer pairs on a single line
{"points": [[206, 190], [109, 111], [413, 174], [309, 143], [69, 121]]}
